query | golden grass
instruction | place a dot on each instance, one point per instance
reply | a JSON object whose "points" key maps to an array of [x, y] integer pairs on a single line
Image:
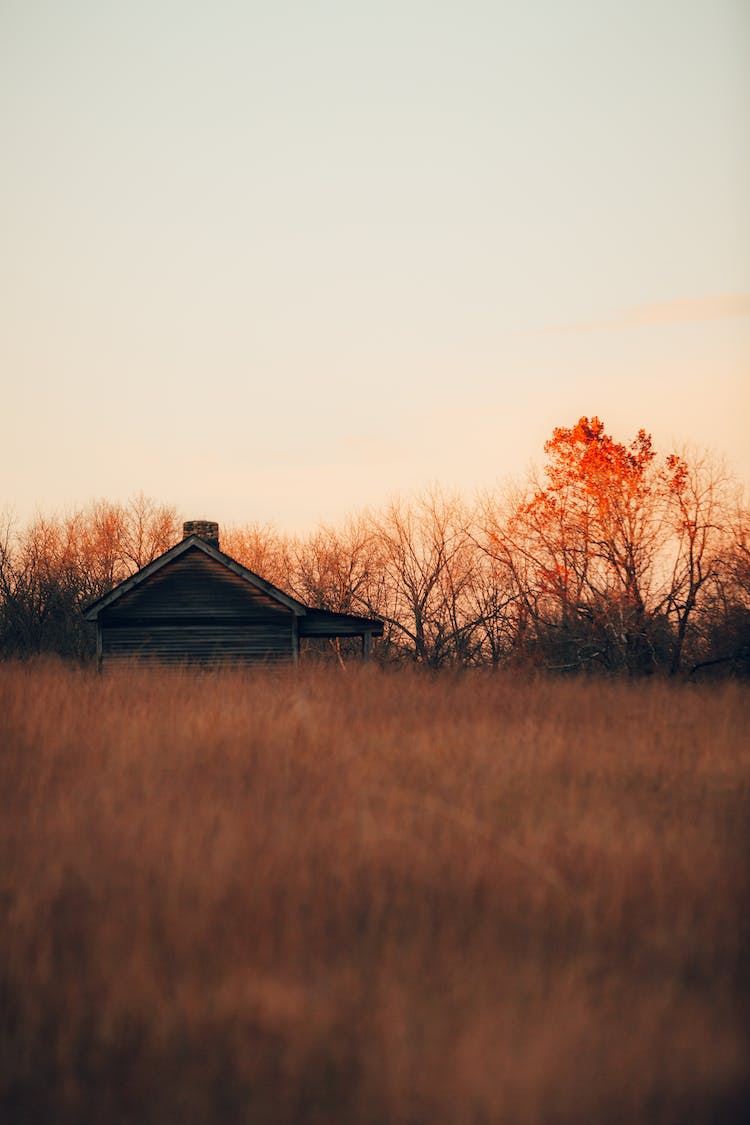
{"points": [[372, 897]]}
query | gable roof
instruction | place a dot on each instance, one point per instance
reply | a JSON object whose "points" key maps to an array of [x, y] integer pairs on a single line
{"points": [[319, 622], [92, 612]]}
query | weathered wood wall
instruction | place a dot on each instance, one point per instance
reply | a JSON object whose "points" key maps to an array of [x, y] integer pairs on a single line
{"points": [[195, 609]]}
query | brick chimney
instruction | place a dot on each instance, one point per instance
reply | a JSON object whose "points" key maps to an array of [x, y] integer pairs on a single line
{"points": [[204, 529]]}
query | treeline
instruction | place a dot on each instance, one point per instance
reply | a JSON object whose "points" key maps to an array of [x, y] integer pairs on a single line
{"points": [[611, 558]]}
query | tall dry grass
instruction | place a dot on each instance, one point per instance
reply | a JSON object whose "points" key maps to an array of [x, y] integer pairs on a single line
{"points": [[371, 898]]}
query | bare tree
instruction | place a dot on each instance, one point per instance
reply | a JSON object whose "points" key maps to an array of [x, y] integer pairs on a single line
{"points": [[150, 530], [262, 549], [698, 491], [52, 568], [723, 619], [421, 579]]}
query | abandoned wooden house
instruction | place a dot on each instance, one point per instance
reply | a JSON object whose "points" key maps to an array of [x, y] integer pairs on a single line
{"points": [[196, 605]]}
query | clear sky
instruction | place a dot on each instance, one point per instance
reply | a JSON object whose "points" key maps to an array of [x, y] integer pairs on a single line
{"points": [[278, 261]]}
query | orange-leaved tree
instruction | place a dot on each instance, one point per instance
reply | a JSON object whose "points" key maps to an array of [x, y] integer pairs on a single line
{"points": [[590, 534]]}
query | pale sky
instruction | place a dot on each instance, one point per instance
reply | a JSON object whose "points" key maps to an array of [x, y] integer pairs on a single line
{"points": [[279, 261]]}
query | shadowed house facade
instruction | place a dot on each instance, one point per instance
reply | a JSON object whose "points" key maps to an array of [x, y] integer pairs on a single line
{"points": [[196, 605]]}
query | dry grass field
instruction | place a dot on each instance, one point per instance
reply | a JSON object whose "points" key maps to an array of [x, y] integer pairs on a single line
{"points": [[371, 898]]}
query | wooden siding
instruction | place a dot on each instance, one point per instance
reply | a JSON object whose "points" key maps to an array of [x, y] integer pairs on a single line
{"points": [[197, 610], [202, 645]]}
